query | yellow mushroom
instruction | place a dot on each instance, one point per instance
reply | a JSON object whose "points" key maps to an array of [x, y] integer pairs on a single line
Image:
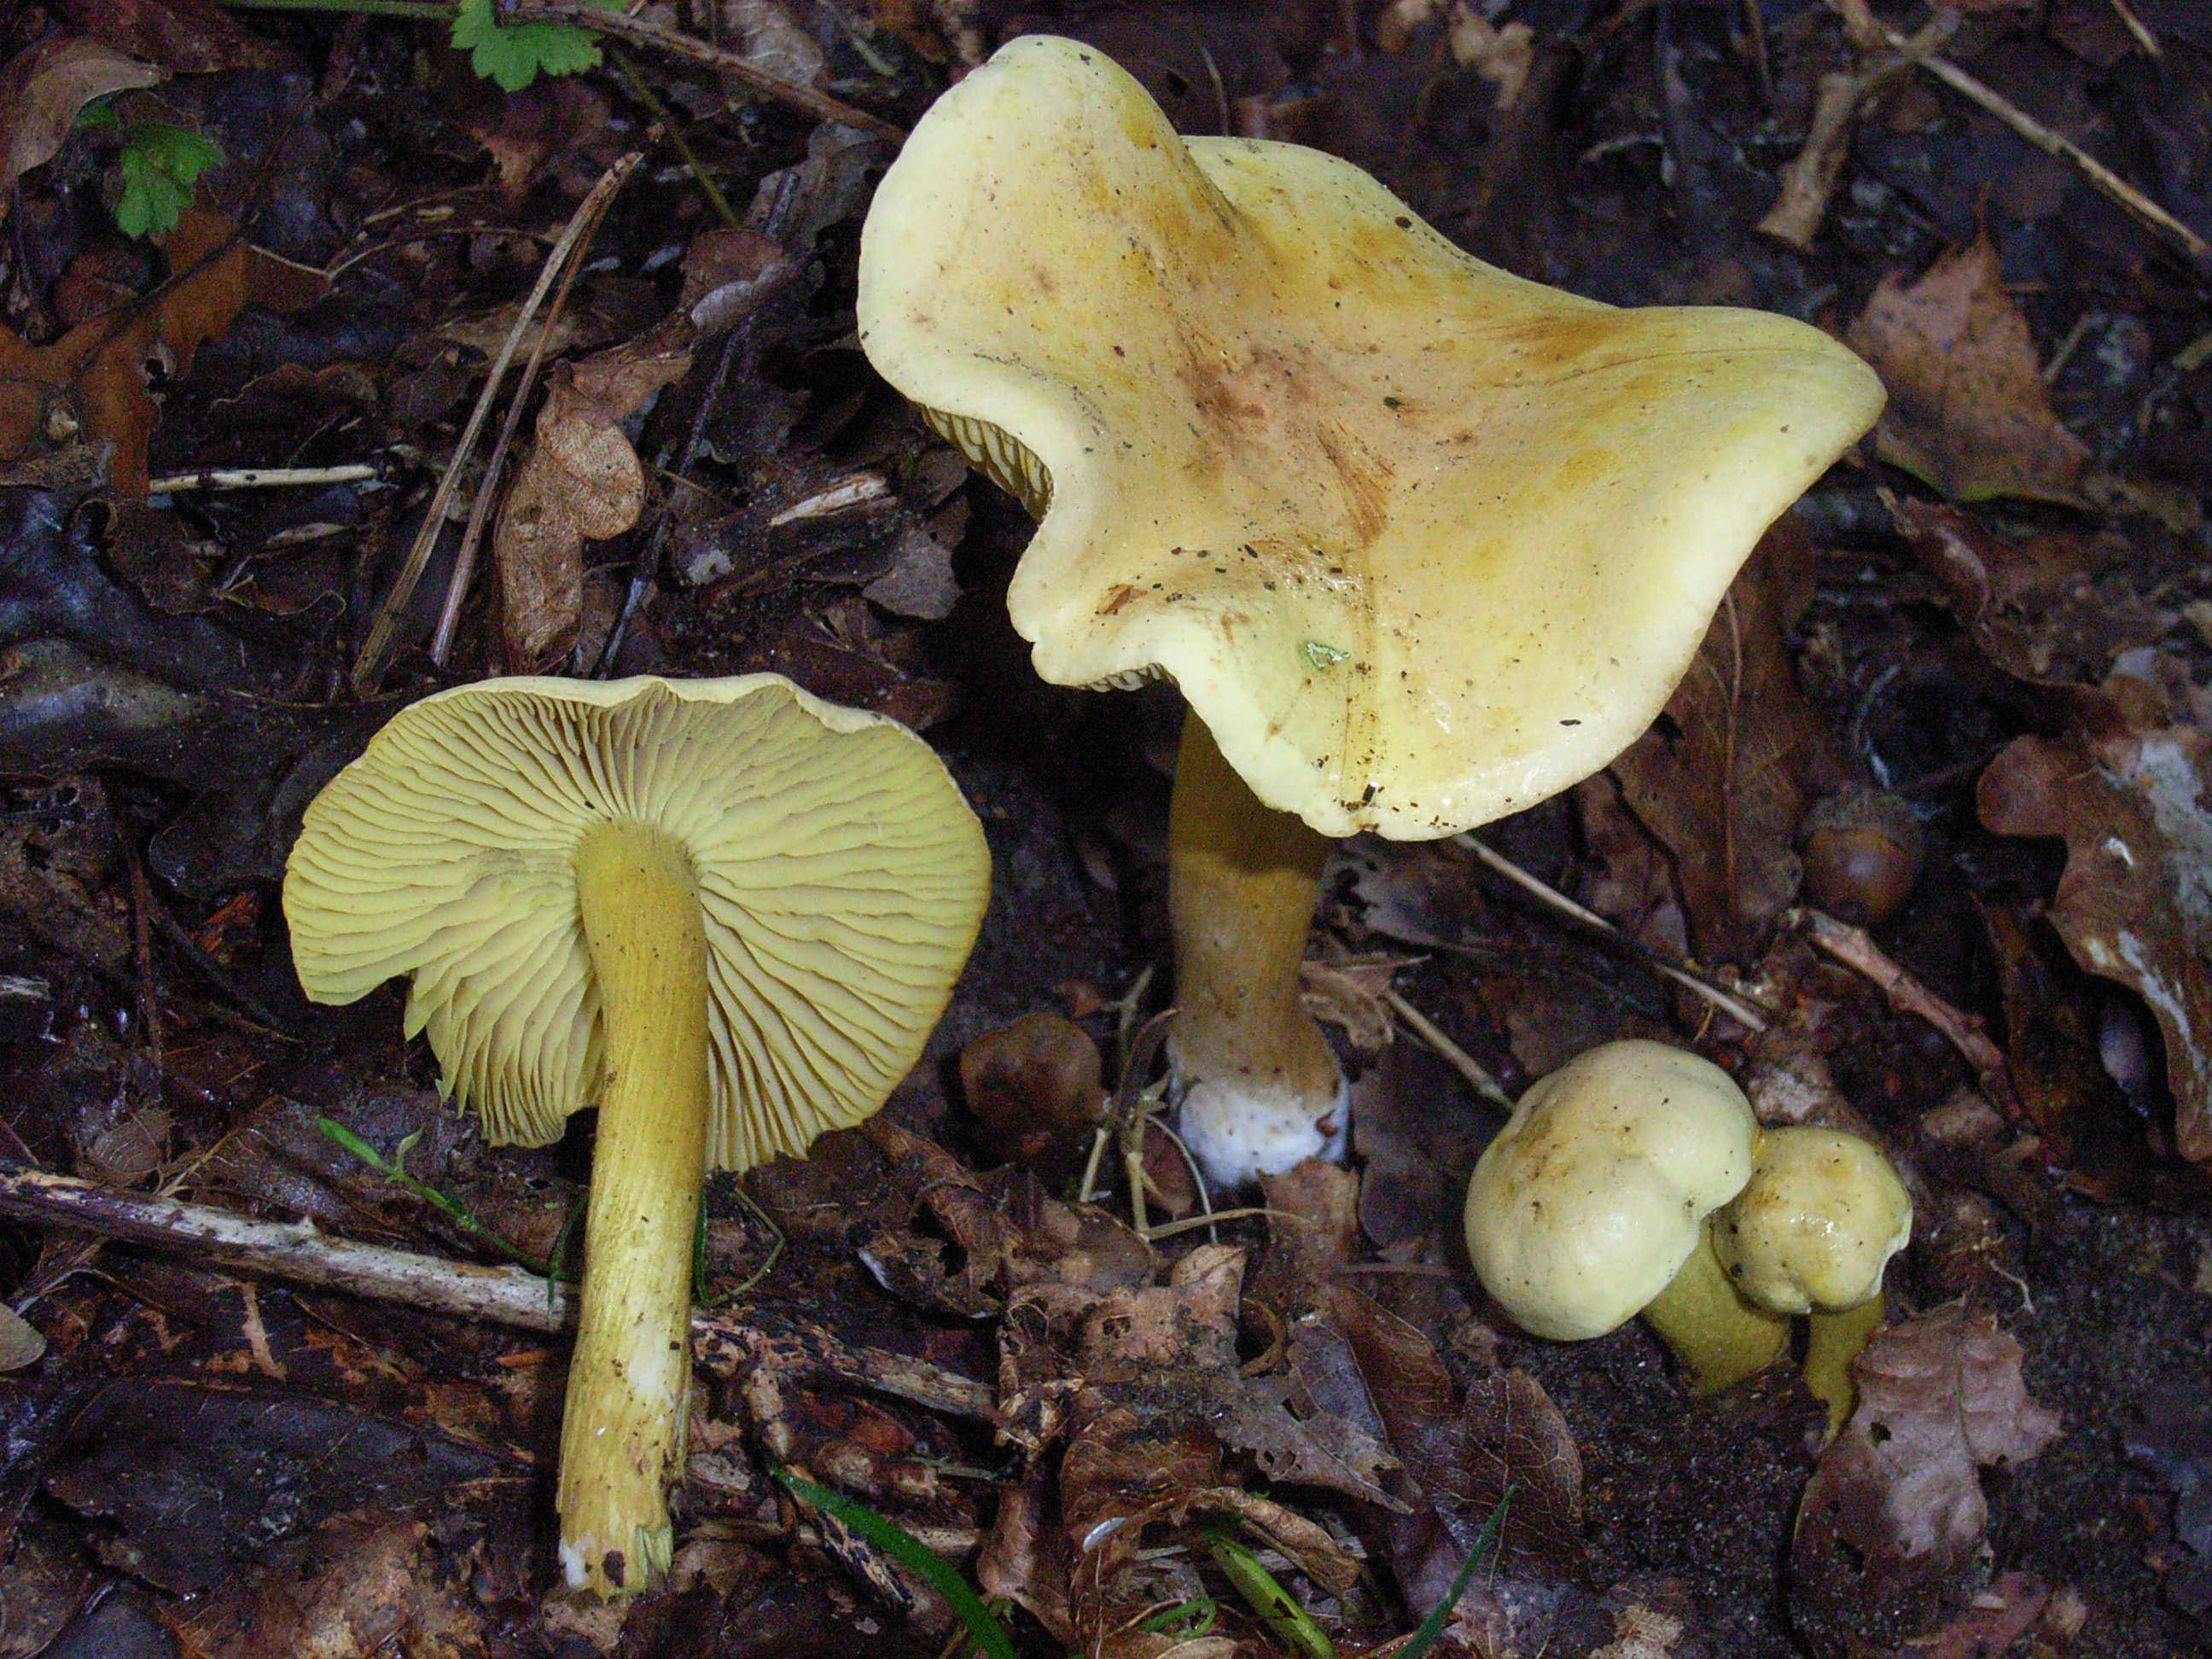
{"points": [[724, 912], [1421, 543]]}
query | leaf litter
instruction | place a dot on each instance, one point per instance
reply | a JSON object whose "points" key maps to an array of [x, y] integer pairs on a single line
{"points": [[1996, 617]]}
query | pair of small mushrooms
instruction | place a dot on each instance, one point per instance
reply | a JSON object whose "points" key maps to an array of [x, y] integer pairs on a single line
{"points": [[1421, 543], [1634, 1179]]}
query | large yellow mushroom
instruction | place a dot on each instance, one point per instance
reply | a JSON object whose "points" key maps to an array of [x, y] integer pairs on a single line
{"points": [[1421, 543], [724, 912]]}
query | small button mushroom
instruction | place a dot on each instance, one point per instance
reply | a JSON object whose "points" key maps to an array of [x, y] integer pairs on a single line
{"points": [[1589, 1208], [724, 912], [1420, 542], [1811, 1233]]}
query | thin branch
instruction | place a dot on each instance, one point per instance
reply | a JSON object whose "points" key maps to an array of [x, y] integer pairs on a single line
{"points": [[262, 477], [300, 1253], [368, 666], [1965, 1032], [583, 14], [1741, 1013]]}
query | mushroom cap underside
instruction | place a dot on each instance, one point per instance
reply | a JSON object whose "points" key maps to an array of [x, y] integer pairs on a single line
{"points": [[841, 879], [1593, 1195], [1421, 541]]}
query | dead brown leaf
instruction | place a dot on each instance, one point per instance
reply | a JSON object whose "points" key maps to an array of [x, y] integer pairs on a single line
{"points": [[186, 37], [1968, 412], [1897, 1500], [2134, 903], [91, 383], [42, 90], [1718, 778], [582, 482]]}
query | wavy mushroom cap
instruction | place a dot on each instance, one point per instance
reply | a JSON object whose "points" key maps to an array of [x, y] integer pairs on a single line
{"points": [[1595, 1193], [1815, 1225], [1421, 541], [841, 877]]}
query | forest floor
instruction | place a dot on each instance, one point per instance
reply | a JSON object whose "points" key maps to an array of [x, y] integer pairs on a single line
{"points": [[1864, 860]]}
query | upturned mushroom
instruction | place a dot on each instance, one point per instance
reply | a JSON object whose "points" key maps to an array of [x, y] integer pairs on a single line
{"points": [[724, 912], [1421, 543]]}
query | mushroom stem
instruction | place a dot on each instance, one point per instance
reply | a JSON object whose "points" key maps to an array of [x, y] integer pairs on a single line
{"points": [[1261, 1091], [1834, 1342], [629, 1378], [1719, 1338]]}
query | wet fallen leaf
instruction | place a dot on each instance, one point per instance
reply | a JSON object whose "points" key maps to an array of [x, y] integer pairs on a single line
{"points": [[187, 37], [41, 91], [1968, 411], [1717, 780], [92, 383], [195, 1481], [2134, 903], [2174, 1442], [1896, 1503]]}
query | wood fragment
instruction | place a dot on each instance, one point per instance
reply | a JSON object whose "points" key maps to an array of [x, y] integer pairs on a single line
{"points": [[583, 14], [1965, 1032], [299, 1253]]}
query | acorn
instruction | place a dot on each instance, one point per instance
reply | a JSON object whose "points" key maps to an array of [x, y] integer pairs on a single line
{"points": [[1863, 850]]}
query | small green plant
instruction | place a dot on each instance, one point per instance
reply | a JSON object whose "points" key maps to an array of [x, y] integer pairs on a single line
{"points": [[1433, 1627], [395, 1171], [515, 54], [156, 164], [981, 1624]]}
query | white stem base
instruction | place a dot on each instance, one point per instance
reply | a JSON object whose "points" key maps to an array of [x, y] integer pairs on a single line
{"points": [[1242, 1128]]}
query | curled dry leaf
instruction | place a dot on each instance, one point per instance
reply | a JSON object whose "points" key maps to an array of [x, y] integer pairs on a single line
{"points": [[1968, 411], [2134, 903], [42, 90], [1897, 1500], [582, 482]]}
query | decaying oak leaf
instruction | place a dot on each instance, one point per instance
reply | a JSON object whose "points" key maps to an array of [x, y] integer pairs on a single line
{"points": [[1968, 411], [90, 385], [1718, 779], [1897, 1500], [42, 90], [582, 482], [2134, 903]]}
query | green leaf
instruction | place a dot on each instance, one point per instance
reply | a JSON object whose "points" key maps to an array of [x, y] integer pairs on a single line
{"points": [[515, 55], [1433, 1626], [982, 1625], [157, 167]]}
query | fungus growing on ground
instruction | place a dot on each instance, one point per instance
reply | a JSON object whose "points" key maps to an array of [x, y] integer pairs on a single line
{"points": [[1589, 1207], [1420, 542], [725, 912], [1811, 1233], [1634, 1179]]}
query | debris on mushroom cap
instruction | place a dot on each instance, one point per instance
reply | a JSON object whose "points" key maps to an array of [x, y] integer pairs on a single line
{"points": [[840, 876], [1421, 541], [1816, 1223], [1595, 1191]]}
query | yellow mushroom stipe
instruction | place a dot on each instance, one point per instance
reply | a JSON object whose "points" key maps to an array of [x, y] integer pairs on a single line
{"points": [[1243, 878], [1719, 1338], [1836, 1339], [621, 1439]]}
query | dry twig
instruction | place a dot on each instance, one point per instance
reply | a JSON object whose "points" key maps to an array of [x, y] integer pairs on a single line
{"points": [[583, 14], [1965, 1032]]}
